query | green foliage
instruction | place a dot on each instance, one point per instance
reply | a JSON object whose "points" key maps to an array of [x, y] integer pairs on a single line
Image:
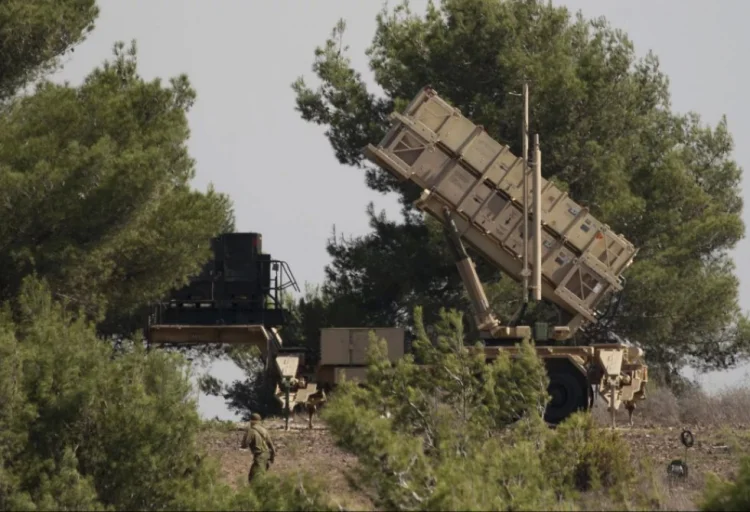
{"points": [[379, 278], [728, 495], [81, 429], [271, 492], [254, 393], [663, 179], [123, 424], [460, 434], [583, 456], [96, 201], [35, 34], [94, 183]]}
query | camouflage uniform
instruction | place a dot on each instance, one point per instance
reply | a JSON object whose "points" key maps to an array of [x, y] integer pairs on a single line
{"points": [[261, 446]]}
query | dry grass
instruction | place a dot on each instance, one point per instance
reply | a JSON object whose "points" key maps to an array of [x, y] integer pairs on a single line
{"points": [[300, 450], [719, 422], [662, 408], [730, 407]]}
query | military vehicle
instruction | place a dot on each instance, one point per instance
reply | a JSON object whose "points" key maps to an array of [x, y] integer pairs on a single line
{"points": [[236, 299], [482, 195]]}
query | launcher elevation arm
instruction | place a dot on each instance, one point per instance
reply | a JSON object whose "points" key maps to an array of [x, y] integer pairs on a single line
{"points": [[485, 319]]}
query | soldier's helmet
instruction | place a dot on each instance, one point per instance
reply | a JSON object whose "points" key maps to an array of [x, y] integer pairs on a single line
{"points": [[254, 417]]}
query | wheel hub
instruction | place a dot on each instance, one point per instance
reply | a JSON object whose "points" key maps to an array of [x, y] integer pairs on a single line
{"points": [[558, 395]]}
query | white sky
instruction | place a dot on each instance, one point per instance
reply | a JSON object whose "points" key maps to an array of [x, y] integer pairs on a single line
{"points": [[243, 55]]}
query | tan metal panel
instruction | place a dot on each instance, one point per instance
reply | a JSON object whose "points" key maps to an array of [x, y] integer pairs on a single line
{"points": [[500, 218], [407, 146], [455, 183], [430, 111], [582, 259], [482, 151], [583, 286], [613, 251], [431, 164], [453, 130], [359, 340], [557, 260], [572, 221], [512, 179], [334, 346], [348, 346], [491, 211], [423, 95], [288, 365], [395, 338], [456, 133], [514, 242], [551, 195], [476, 198]]}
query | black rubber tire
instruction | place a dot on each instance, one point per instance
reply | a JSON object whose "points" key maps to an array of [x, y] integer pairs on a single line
{"points": [[568, 391], [687, 439]]}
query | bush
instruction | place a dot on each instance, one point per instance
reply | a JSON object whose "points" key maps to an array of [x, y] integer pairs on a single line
{"points": [[460, 434], [84, 428], [583, 457], [725, 495], [692, 406], [253, 394]]}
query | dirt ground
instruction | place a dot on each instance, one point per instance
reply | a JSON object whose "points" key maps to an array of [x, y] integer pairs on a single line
{"points": [[299, 450], [716, 449]]}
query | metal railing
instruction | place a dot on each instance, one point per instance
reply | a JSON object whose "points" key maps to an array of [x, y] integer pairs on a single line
{"points": [[264, 297]]}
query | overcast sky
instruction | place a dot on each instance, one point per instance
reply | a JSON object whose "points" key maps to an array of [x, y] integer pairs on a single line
{"points": [[242, 56]]}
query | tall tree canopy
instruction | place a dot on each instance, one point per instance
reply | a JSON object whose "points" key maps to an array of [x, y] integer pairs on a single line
{"points": [[95, 199], [664, 180], [95, 180], [35, 34]]}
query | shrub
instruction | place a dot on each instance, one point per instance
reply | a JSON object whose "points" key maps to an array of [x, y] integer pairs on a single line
{"points": [[583, 457], [725, 495], [83, 427], [462, 434]]}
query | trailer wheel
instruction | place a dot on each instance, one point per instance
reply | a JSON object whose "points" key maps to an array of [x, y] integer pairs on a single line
{"points": [[568, 392]]}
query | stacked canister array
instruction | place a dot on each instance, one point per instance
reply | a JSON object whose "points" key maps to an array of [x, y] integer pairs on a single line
{"points": [[439, 149]]}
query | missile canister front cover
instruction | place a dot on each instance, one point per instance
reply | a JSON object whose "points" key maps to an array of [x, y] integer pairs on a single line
{"points": [[460, 166]]}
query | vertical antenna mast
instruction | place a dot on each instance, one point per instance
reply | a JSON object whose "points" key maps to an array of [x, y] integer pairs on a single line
{"points": [[537, 219], [525, 136]]}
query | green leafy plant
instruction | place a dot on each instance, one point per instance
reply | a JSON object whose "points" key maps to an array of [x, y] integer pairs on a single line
{"points": [[456, 433]]}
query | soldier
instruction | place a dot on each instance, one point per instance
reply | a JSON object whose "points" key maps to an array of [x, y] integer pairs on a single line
{"points": [[260, 444], [630, 407], [314, 402]]}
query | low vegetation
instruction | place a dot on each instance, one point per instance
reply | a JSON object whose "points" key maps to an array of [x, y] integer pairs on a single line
{"points": [[615, 470], [447, 439], [464, 435], [84, 428]]}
